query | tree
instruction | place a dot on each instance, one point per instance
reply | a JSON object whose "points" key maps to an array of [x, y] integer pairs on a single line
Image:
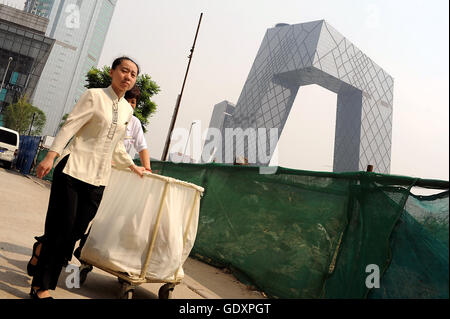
{"points": [[100, 78], [21, 115], [63, 120], [38, 122]]}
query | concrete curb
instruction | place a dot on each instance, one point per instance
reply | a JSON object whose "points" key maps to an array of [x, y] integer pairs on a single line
{"points": [[199, 289], [37, 181]]}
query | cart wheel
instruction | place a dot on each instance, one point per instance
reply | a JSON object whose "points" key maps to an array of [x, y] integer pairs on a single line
{"points": [[165, 292], [128, 294], [85, 269], [126, 291]]}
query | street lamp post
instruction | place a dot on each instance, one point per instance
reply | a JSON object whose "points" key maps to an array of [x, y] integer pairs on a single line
{"points": [[6, 72], [33, 67], [187, 142]]}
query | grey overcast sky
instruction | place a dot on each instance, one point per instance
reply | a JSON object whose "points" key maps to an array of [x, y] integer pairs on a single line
{"points": [[407, 38]]}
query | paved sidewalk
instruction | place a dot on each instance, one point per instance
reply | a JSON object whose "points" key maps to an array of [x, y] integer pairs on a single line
{"points": [[23, 204]]}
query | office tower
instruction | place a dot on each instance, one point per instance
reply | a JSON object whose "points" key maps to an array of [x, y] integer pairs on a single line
{"points": [[41, 8], [291, 56], [24, 50], [80, 28]]}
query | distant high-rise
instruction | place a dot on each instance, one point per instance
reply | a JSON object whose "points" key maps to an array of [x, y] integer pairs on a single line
{"points": [[80, 28], [39, 7], [220, 112]]}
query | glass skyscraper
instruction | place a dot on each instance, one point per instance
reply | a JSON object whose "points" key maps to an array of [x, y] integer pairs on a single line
{"points": [[41, 8], [24, 50], [80, 28], [291, 56]]}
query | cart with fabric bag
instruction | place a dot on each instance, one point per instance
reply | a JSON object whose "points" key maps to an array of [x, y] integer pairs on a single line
{"points": [[144, 231]]}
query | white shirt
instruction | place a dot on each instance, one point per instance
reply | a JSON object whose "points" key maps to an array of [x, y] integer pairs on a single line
{"points": [[134, 136], [97, 124]]}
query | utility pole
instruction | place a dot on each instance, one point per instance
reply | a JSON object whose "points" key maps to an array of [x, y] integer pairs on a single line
{"points": [[177, 106]]}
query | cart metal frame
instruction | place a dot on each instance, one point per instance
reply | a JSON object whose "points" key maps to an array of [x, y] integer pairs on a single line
{"points": [[130, 283]]}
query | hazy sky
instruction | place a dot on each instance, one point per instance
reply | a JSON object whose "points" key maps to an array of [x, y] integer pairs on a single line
{"points": [[407, 38]]}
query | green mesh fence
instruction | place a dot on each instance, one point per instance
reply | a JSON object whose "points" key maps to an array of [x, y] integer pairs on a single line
{"points": [[419, 267], [302, 234]]}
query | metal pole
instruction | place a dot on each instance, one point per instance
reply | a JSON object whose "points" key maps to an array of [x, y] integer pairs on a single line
{"points": [[6, 72], [31, 125], [187, 142], [33, 67], [177, 106]]}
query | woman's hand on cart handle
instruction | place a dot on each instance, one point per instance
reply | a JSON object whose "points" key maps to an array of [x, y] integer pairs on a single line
{"points": [[138, 170], [148, 170]]}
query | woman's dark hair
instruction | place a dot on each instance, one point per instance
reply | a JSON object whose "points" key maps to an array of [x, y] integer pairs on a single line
{"points": [[118, 62], [134, 93]]}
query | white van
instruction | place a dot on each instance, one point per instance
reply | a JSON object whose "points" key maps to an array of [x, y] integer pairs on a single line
{"points": [[9, 145]]}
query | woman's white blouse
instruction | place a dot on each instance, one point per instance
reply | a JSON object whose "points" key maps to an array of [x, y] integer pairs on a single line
{"points": [[134, 136], [97, 124]]}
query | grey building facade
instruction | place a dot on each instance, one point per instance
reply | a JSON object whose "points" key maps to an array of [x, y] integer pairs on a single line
{"points": [[220, 112], [41, 8], [24, 50], [80, 28], [292, 56]]}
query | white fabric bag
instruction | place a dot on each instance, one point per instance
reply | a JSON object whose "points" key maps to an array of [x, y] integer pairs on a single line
{"points": [[127, 224]]}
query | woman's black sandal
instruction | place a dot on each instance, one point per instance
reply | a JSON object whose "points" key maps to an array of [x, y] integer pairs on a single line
{"points": [[34, 294], [30, 267]]}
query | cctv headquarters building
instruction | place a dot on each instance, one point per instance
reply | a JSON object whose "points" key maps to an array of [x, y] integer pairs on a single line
{"points": [[292, 56]]}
